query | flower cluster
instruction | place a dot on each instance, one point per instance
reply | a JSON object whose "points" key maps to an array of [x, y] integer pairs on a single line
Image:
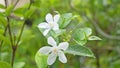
{"points": [[55, 50]]}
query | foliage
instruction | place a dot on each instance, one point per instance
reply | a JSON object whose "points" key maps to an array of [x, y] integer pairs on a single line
{"points": [[81, 22]]}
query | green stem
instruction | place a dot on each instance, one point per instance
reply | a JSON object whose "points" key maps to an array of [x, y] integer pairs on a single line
{"points": [[14, 48]]}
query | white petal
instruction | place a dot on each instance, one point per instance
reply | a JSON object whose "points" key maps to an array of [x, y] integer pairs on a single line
{"points": [[51, 41], [56, 26], [62, 57], [51, 58], [56, 18], [63, 45], [49, 18], [43, 25], [46, 32], [45, 50]]}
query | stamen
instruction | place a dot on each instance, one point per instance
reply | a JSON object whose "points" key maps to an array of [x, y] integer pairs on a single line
{"points": [[55, 49]]}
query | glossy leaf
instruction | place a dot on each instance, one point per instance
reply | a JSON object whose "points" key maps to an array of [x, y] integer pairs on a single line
{"points": [[80, 35], [19, 64], [79, 50], [65, 20], [41, 60], [94, 38], [29, 13]]}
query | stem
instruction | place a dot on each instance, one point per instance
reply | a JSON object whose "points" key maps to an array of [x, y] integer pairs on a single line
{"points": [[15, 4], [94, 23], [14, 48], [20, 34], [97, 61], [23, 26], [10, 34], [9, 29]]}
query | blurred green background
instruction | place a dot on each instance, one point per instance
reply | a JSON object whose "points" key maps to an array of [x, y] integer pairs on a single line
{"points": [[103, 16]]}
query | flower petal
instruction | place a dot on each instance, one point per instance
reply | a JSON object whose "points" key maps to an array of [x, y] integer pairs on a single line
{"points": [[49, 18], [56, 26], [62, 57], [63, 45], [45, 50], [51, 58], [51, 41], [56, 18], [46, 32], [43, 25]]}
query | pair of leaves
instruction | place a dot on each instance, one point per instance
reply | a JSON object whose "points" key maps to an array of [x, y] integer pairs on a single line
{"points": [[65, 19], [83, 34], [41, 59]]}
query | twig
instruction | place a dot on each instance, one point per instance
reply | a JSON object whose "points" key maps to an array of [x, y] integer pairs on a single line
{"points": [[23, 26], [10, 34], [8, 25], [15, 3], [16, 45], [98, 29], [20, 34]]}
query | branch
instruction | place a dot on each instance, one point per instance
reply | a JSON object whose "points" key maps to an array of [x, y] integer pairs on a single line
{"points": [[23, 26], [15, 4], [94, 23], [9, 28], [100, 31]]}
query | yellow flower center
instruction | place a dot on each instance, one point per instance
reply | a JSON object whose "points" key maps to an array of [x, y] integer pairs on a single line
{"points": [[51, 24], [55, 49]]}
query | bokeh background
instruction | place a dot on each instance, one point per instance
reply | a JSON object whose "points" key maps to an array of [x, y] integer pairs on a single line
{"points": [[103, 16]]}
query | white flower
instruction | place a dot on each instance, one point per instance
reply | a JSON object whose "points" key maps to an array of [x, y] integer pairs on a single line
{"points": [[50, 24], [54, 51]]}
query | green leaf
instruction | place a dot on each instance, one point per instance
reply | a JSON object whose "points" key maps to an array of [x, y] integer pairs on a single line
{"points": [[20, 11], [5, 39], [29, 13], [79, 50], [81, 42], [87, 31], [61, 31], [2, 6], [94, 38], [9, 10], [4, 65], [3, 21], [19, 64], [65, 20], [80, 35], [41, 60]]}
